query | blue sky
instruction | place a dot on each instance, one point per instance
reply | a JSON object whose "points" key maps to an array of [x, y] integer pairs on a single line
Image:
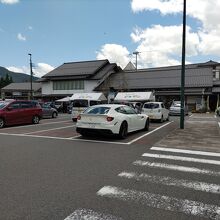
{"points": [[58, 31]]}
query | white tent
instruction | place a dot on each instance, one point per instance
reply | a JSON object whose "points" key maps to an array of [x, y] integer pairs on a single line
{"points": [[134, 96], [89, 96], [65, 99]]}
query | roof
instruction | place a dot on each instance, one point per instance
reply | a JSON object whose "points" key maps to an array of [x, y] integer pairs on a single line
{"points": [[22, 86], [169, 77], [84, 68]]}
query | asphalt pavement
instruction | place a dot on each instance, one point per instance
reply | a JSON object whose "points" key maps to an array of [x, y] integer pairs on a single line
{"points": [[170, 174]]}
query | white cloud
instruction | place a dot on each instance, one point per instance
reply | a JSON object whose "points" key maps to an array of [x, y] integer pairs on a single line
{"points": [[114, 53], [204, 41], [21, 37], [159, 44], [30, 28], [39, 69], [9, 1], [165, 7]]}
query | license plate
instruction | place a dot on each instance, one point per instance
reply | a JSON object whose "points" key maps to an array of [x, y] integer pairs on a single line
{"points": [[92, 125]]}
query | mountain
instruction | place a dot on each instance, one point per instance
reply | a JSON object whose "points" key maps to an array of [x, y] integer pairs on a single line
{"points": [[17, 77]]}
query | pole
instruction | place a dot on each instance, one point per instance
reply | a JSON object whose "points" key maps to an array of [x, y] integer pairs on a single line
{"points": [[183, 66], [136, 53], [31, 74]]}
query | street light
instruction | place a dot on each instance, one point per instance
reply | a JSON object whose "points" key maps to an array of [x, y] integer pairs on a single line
{"points": [[136, 53], [31, 74], [183, 66]]}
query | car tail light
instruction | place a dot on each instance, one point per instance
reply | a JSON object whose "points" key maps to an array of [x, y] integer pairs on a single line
{"points": [[110, 118], [78, 117]]}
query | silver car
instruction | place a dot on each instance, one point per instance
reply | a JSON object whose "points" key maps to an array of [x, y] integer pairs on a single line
{"points": [[48, 111], [175, 108]]}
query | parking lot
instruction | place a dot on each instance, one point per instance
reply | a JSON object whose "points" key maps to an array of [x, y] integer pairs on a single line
{"points": [[64, 128]]}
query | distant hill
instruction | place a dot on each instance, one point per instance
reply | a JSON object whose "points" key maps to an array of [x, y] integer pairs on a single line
{"points": [[17, 77]]}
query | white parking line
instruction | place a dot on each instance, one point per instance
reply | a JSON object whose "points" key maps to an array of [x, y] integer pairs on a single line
{"points": [[87, 214], [51, 129], [176, 167], [36, 136], [164, 202], [148, 133], [97, 141], [25, 126], [168, 181], [180, 158], [74, 138], [204, 153]]}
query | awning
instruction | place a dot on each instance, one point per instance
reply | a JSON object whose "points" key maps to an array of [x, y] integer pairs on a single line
{"points": [[216, 89], [65, 99], [134, 96], [89, 96]]}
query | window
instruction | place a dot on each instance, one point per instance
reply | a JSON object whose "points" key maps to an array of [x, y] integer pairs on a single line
{"points": [[94, 102], [129, 110], [68, 85], [97, 110], [15, 105], [26, 105], [80, 103], [151, 105]]}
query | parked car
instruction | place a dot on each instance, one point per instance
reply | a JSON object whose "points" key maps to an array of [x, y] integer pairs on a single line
{"points": [[19, 112], [80, 105], [48, 111], [175, 108], [155, 111], [111, 119]]}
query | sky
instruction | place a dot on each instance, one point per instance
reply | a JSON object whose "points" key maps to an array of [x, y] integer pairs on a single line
{"points": [[60, 31]]}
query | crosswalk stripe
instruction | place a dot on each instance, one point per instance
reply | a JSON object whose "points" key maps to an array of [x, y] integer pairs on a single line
{"points": [[189, 207], [168, 181], [175, 167], [204, 153], [188, 159], [87, 214]]}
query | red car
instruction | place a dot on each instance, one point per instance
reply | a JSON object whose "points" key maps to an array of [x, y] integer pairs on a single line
{"points": [[19, 112]]}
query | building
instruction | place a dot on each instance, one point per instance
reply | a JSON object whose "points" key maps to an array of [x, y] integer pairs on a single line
{"points": [[202, 84], [21, 91], [76, 77]]}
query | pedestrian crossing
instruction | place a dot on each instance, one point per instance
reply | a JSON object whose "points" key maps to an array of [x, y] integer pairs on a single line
{"points": [[187, 171]]}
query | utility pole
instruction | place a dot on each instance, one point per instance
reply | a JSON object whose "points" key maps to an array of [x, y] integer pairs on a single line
{"points": [[136, 53], [31, 75], [183, 67]]}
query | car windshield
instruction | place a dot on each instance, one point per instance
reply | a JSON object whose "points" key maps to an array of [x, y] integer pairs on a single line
{"points": [[151, 105], [177, 104], [2, 105], [97, 110], [80, 103]]}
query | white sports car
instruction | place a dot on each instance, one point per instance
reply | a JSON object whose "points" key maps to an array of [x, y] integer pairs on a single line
{"points": [[111, 119]]}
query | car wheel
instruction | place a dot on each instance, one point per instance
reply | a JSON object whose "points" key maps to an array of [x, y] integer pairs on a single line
{"points": [[161, 120], [54, 115], [123, 132], [146, 127], [35, 119], [2, 123]]}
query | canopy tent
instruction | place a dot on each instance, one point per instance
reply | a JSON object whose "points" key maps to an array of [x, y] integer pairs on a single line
{"points": [[89, 96], [134, 96], [65, 99]]}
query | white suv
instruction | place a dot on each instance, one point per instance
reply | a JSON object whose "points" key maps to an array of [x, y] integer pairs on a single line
{"points": [[155, 111]]}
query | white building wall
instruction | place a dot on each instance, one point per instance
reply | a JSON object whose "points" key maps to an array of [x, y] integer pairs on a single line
{"points": [[47, 88]]}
